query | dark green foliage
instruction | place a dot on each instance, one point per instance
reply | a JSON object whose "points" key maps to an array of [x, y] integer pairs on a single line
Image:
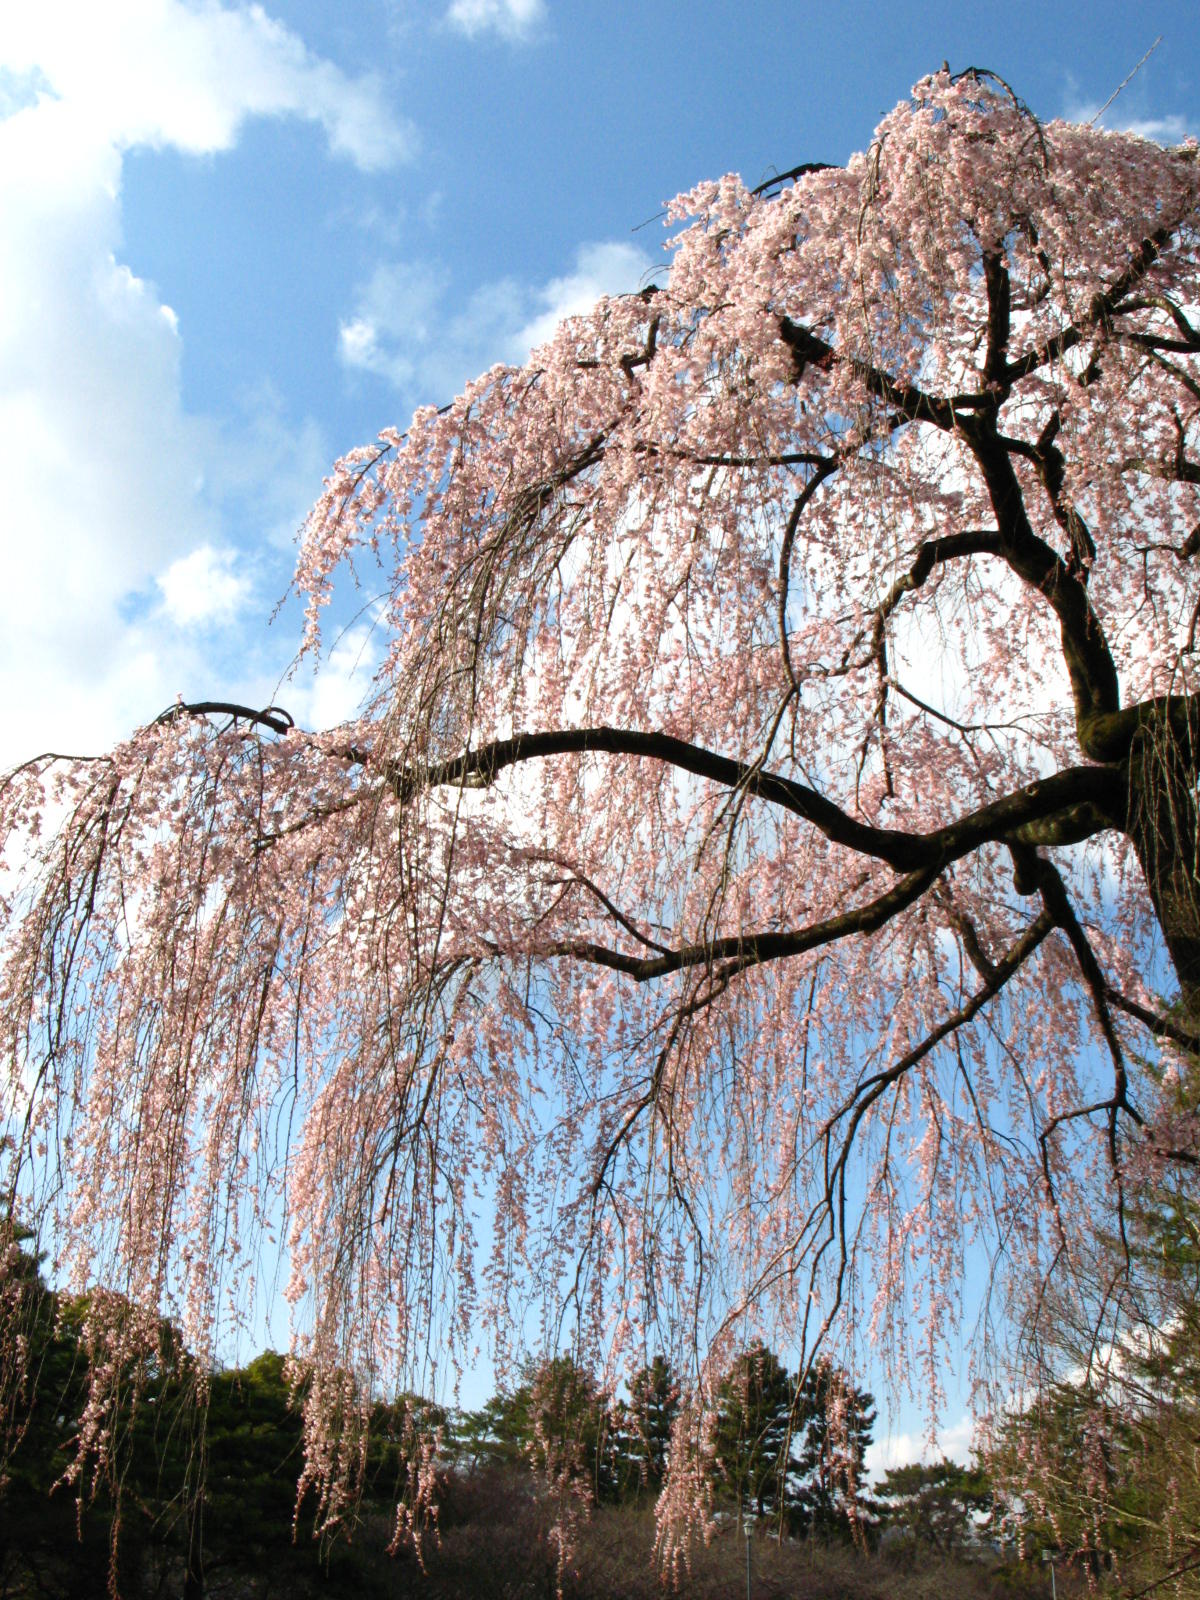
{"points": [[938, 1504], [497, 1434], [834, 1422], [756, 1433], [198, 1493], [556, 1421], [42, 1400], [639, 1436], [792, 1450], [243, 1488], [45, 1547], [1065, 1465], [396, 1429], [199, 1499], [253, 1443]]}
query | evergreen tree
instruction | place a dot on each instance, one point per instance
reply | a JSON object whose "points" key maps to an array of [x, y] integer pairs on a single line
{"points": [[835, 1422], [640, 1431], [556, 1420], [756, 1432], [1103, 1463], [938, 1504]]}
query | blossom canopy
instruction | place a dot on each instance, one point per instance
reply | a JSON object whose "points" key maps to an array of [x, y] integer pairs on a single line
{"points": [[770, 841]]}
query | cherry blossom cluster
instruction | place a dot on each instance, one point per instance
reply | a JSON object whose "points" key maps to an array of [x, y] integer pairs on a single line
{"points": [[731, 910]]}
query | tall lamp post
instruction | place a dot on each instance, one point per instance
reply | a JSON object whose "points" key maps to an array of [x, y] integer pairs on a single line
{"points": [[1048, 1555]]}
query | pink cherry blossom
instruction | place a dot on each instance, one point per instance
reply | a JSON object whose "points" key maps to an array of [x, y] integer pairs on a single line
{"points": [[758, 869]]}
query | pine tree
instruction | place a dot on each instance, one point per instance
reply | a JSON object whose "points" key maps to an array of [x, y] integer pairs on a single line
{"points": [[756, 1433], [834, 1423], [640, 1431]]}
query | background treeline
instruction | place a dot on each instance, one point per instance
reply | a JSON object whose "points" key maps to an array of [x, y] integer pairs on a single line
{"points": [[193, 1501], [1102, 1463]]}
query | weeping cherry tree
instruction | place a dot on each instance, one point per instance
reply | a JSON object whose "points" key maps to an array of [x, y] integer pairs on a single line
{"points": [[763, 877]]}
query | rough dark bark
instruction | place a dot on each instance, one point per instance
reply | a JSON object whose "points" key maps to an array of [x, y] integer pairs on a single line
{"points": [[1164, 824]]}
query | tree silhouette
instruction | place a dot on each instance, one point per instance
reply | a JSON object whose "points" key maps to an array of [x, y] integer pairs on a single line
{"points": [[555, 1421], [834, 1422], [756, 1433], [640, 1430]]}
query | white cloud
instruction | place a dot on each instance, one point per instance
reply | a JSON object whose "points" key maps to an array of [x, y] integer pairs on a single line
{"points": [[202, 589], [162, 72], [113, 490], [1163, 130], [511, 19], [405, 326], [612, 268], [1119, 115], [337, 693], [901, 1449]]}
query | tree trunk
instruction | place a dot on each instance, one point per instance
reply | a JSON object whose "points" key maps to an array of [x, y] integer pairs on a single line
{"points": [[1164, 825]]}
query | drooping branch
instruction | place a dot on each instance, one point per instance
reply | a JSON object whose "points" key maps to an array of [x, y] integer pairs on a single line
{"points": [[870, 1089], [1068, 800], [1163, 821], [1058, 903], [868, 1092], [736, 952], [1104, 305], [273, 718], [453, 996], [935, 553]]}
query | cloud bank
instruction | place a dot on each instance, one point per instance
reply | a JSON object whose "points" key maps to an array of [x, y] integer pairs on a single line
{"points": [[111, 518], [406, 327], [510, 19], [161, 72]]}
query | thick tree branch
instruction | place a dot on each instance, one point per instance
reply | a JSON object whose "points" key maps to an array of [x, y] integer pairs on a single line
{"points": [[1051, 467], [910, 402], [1089, 662], [739, 951], [995, 275], [1162, 302], [1162, 1027], [479, 768], [1111, 735], [1100, 312], [802, 171], [1068, 796], [1072, 825], [825, 470], [273, 718], [935, 553]]}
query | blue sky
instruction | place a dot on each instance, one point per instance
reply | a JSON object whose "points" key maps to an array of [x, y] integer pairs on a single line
{"points": [[236, 241]]}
